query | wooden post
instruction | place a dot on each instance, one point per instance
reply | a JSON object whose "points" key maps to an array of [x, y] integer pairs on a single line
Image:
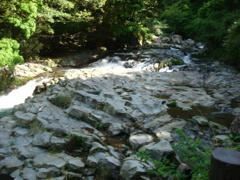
{"points": [[225, 165]]}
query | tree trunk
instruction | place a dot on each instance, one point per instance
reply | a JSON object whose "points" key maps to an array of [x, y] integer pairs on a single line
{"points": [[225, 164]]}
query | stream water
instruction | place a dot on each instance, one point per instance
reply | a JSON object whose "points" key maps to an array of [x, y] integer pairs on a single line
{"points": [[137, 60]]}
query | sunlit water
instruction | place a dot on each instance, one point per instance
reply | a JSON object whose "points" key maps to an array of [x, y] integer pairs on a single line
{"points": [[120, 61], [18, 96]]}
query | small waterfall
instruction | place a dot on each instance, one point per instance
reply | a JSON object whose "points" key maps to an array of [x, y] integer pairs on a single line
{"points": [[186, 59], [18, 96]]}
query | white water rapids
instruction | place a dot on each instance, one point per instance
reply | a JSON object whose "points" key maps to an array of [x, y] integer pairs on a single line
{"points": [[119, 61], [18, 96]]}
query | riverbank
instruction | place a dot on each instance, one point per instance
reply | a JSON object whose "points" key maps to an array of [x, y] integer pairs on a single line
{"points": [[91, 122]]}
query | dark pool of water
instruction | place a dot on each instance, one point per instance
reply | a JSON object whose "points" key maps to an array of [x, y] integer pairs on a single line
{"points": [[212, 114], [5, 177]]}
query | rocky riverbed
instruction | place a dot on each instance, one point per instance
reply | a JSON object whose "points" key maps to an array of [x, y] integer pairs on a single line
{"points": [[91, 122]]}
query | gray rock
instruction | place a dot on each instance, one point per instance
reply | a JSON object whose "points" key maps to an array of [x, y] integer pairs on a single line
{"points": [[158, 150], [139, 139], [116, 129], [164, 132], [76, 164], [29, 174], [48, 172], [176, 39], [45, 160], [236, 111], [235, 126], [97, 147], [133, 168], [155, 123], [109, 167], [11, 163], [24, 119], [42, 140], [201, 120]]}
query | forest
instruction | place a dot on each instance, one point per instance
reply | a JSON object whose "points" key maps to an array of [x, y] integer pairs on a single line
{"points": [[30, 29]]}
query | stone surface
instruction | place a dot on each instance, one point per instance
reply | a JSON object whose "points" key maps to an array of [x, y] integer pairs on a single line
{"points": [[201, 120], [132, 168], [119, 105], [158, 150], [138, 139]]}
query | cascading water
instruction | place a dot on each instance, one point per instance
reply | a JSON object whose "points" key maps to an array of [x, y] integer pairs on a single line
{"points": [[18, 96], [144, 60], [137, 60]]}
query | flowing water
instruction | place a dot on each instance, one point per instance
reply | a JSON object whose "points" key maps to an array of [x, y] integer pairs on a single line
{"points": [[137, 60], [18, 96]]}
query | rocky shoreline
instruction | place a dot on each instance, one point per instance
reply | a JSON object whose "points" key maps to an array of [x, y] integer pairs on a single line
{"points": [[90, 123]]}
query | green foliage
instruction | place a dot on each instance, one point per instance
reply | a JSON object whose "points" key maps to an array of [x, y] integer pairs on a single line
{"points": [[192, 152], [172, 104], [163, 169], [214, 22], [63, 101], [9, 52], [75, 142], [232, 45]]}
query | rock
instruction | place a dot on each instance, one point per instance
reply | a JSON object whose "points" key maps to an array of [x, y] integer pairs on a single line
{"points": [[109, 168], [116, 129], [201, 120], [235, 126], [176, 39], [29, 174], [76, 165], [132, 168], [166, 40], [138, 139], [158, 150], [164, 132], [236, 111], [97, 147], [218, 128], [44, 160], [43, 173], [42, 140], [221, 140], [24, 119], [155, 123], [11, 164]]}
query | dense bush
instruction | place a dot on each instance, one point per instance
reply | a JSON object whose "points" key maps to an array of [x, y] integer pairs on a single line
{"points": [[9, 52]]}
